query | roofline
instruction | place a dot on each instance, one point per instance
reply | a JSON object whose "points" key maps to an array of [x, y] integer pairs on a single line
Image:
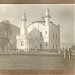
{"points": [[43, 24], [35, 22]]}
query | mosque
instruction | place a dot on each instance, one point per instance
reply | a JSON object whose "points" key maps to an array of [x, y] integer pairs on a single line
{"points": [[39, 35]]}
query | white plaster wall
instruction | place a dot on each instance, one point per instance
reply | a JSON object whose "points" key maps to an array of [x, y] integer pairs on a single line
{"points": [[46, 35], [24, 39]]}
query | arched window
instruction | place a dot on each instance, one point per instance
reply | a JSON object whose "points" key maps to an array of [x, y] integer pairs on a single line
{"points": [[40, 45], [53, 46], [53, 35], [22, 43], [40, 34], [46, 44], [56, 36], [46, 32], [56, 46]]}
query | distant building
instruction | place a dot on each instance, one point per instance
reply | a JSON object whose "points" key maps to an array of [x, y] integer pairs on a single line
{"points": [[42, 34]]}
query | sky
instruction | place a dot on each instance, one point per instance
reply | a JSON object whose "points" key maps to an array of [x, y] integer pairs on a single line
{"points": [[62, 14]]}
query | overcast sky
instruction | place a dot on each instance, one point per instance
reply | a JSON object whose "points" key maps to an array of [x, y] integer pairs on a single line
{"points": [[62, 14]]}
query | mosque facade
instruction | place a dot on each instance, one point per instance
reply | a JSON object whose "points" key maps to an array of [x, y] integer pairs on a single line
{"points": [[39, 35]]}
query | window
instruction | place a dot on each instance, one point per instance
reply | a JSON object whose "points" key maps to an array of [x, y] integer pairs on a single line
{"points": [[46, 45], [53, 46], [56, 46], [56, 36], [40, 34], [46, 32], [53, 35], [22, 43], [40, 46]]}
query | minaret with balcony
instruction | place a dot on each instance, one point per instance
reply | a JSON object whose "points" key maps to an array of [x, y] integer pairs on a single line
{"points": [[46, 29], [22, 39]]}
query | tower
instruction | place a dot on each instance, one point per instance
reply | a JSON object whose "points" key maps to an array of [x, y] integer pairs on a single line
{"points": [[23, 30], [47, 17], [22, 39], [46, 28]]}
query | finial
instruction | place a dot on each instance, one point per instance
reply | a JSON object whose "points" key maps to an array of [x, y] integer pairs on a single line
{"points": [[24, 13], [47, 13], [24, 17], [42, 16], [47, 10]]}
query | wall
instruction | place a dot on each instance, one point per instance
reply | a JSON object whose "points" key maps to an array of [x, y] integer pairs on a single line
{"points": [[49, 40], [54, 36], [22, 42]]}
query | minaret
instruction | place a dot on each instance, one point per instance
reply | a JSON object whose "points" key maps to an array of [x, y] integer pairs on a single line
{"points": [[46, 30], [23, 30], [47, 17]]}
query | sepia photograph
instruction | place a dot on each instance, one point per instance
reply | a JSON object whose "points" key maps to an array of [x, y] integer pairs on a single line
{"points": [[37, 37]]}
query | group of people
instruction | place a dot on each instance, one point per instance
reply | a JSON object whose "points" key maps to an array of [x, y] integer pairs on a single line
{"points": [[66, 52]]}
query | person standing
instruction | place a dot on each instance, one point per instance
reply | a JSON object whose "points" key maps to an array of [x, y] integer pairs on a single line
{"points": [[69, 53], [65, 52]]}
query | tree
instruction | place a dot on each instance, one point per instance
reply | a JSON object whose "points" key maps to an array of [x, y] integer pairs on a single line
{"points": [[7, 31]]}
